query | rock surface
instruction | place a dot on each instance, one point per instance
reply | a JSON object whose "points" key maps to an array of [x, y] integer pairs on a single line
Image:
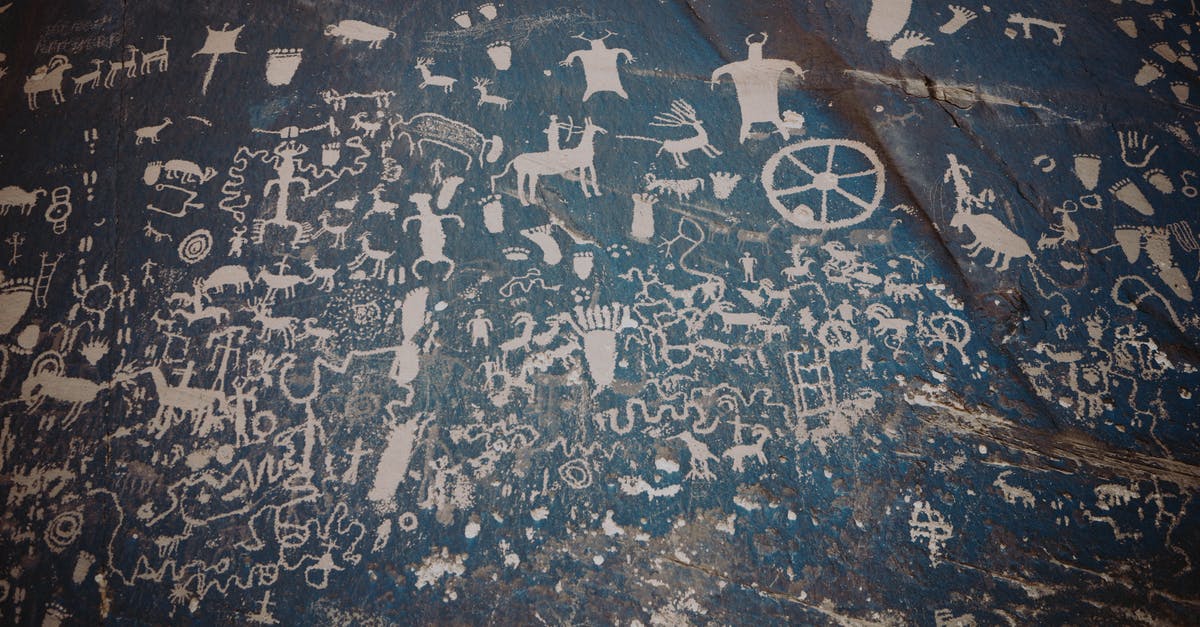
{"points": [[643, 313]]}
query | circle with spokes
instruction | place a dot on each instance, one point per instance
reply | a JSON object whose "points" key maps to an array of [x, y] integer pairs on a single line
{"points": [[824, 184]]}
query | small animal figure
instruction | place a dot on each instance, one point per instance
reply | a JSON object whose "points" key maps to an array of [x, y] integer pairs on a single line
{"points": [[130, 66], [285, 326], [90, 79], [226, 276], [428, 78], [13, 196], [338, 231], [160, 56], [739, 452], [379, 205], [991, 234], [354, 30], [359, 123], [682, 188], [150, 132], [682, 114], [481, 86], [378, 258]]}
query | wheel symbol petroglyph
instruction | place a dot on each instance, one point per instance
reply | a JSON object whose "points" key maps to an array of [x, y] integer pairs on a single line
{"points": [[843, 191]]}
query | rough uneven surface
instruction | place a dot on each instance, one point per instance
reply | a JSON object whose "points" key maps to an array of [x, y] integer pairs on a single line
{"points": [[633, 312]]}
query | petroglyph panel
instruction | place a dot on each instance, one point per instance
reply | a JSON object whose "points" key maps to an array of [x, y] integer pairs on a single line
{"points": [[638, 313]]}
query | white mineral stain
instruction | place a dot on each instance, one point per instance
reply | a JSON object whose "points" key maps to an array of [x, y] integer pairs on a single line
{"points": [[436, 566], [611, 528], [746, 503]]}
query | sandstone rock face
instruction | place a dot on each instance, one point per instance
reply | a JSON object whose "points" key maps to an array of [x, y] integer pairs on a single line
{"points": [[625, 312]]}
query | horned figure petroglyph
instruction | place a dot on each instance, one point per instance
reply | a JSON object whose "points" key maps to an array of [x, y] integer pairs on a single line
{"points": [[600, 65], [47, 379], [429, 79], [757, 82], [285, 326], [49, 78], [682, 114], [482, 85]]}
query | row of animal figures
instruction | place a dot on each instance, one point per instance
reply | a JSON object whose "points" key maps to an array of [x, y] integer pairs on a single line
{"points": [[49, 77]]}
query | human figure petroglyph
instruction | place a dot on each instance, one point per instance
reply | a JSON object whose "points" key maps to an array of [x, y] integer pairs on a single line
{"points": [[480, 329], [757, 82], [600, 66], [579, 159], [931, 526], [432, 234]]}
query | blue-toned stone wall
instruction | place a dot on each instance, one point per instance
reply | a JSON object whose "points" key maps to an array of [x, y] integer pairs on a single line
{"points": [[623, 312]]}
